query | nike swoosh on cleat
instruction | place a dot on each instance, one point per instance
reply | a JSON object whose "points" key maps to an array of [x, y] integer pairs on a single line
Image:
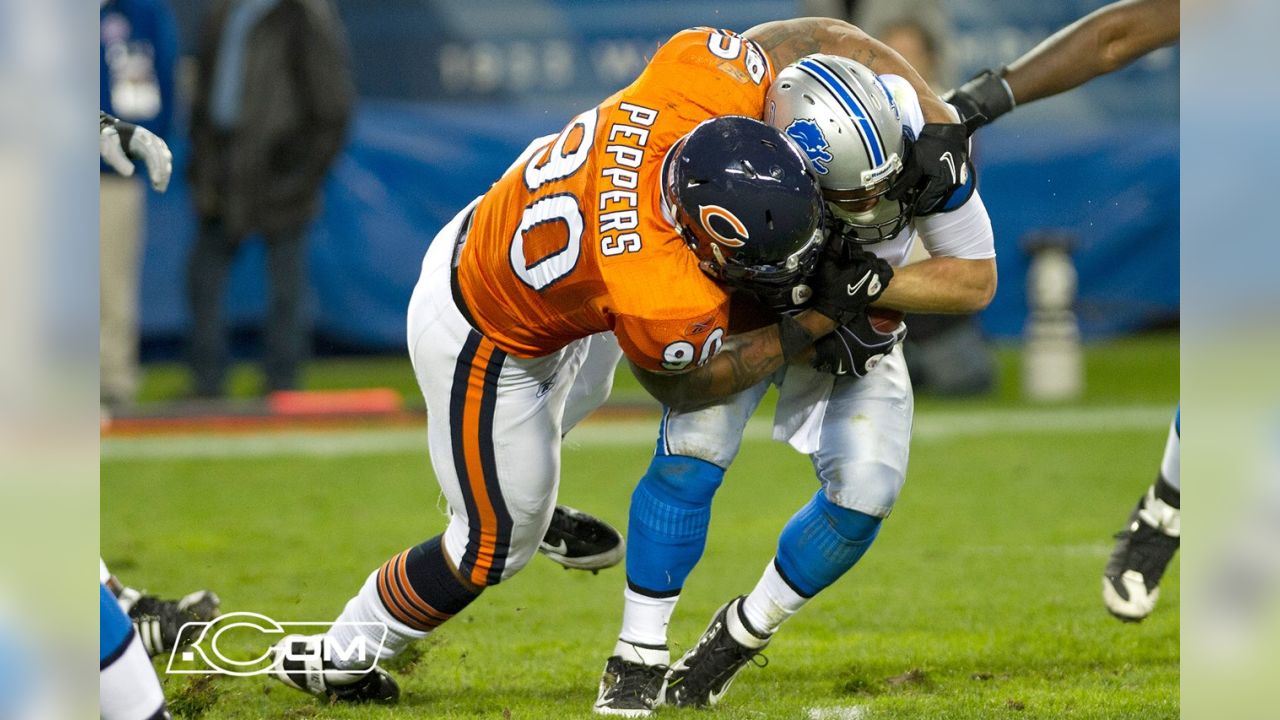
{"points": [[561, 548]]}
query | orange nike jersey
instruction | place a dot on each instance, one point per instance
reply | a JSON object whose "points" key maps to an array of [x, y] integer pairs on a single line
{"points": [[572, 241]]}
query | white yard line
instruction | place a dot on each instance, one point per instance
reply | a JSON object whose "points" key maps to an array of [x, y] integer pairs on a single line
{"points": [[929, 426], [838, 712]]}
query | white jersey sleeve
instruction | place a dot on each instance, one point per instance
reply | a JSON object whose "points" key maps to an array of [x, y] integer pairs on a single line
{"points": [[962, 233]]}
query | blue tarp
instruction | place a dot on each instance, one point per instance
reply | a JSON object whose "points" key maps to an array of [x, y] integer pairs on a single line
{"points": [[1100, 163]]}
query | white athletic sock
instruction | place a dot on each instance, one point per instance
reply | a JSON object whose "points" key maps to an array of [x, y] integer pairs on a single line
{"points": [[1171, 464], [128, 687], [645, 618], [643, 654], [360, 618], [771, 602]]}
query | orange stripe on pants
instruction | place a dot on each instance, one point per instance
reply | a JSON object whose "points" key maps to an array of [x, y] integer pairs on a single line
{"points": [[475, 470]]}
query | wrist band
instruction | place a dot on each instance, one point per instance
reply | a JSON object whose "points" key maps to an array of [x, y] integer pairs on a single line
{"points": [[794, 338]]}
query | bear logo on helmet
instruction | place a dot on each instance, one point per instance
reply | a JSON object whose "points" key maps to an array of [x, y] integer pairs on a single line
{"points": [[728, 222]]}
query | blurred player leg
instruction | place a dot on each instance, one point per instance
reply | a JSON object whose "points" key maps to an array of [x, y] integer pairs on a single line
{"points": [[1131, 580], [494, 438], [207, 271], [121, 203], [129, 689], [285, 339], [670, 511], [862, 466]]}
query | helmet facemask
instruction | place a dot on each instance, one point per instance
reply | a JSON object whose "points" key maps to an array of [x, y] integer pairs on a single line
{"points": [[853, 134]]}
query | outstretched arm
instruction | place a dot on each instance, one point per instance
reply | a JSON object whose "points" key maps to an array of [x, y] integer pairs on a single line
{"points": [[786, 41], [745, 360], [1101, 42]]}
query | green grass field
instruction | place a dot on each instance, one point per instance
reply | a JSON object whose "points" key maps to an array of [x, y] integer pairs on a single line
{"points": [[981, 599]]}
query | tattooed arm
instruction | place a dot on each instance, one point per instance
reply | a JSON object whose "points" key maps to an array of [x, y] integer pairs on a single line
{"points": [[786, 41], [745, 360]]}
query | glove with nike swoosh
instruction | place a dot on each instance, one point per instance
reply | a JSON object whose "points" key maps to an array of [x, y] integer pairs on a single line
{"points": [[857, 347], [934, 167], [845, 284]]}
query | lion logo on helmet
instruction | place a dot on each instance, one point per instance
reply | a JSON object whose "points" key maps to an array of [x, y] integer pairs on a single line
{"points": [[809, 137]]}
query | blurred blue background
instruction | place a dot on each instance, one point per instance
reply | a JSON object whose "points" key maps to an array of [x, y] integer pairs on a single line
{"points": [[450, 92]]}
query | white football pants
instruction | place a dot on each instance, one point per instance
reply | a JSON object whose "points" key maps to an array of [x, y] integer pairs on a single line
{"points": [[494, 423], [857, 431]]}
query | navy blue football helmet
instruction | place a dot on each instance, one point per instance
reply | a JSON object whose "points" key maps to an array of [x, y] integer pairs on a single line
{"points": [[743, 198]]}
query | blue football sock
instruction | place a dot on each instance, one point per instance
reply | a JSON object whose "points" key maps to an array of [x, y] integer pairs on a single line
{"points": [[667, 530], [821, 542], [115, 630]]}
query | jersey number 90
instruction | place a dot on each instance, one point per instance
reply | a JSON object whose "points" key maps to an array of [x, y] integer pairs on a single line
{"points": [[680, 354], [559, 163], [730, 47]]}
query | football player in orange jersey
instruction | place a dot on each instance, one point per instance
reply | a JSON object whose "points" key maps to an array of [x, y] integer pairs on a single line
{"points": [[638, 219]]}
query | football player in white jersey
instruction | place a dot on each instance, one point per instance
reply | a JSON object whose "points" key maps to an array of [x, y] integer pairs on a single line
{"points": [[851, 412], [1099, 43]]}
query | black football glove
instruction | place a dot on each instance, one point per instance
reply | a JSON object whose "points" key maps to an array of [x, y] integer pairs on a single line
{"points": [[855, 348], [984, 98], [845, 284], [934, 167]]}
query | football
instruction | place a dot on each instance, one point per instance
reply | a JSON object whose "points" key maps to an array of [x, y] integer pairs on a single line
{"points": [[885, 320]]}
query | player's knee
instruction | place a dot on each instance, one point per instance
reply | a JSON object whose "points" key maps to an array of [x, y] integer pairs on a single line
{"points": [[822, 542], [672, 502], [683, 481], [528, 526], [869, 487], [711, 435], [514, 542], [851, 525]]}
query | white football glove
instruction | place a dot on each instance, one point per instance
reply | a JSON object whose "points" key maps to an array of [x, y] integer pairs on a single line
{"points": [[121, 143]]}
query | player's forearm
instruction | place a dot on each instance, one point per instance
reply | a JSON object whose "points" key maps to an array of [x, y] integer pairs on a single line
{"points": [[745, 360], [786, 41], [941, 285], [1099, 43]]}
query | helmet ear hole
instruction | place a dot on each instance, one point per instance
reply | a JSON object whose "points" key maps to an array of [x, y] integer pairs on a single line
{"points": [[768, 218]]}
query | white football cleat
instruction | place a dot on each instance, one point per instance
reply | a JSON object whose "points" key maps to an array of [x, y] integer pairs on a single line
{"points": [[1131, 580], [298, 661]]}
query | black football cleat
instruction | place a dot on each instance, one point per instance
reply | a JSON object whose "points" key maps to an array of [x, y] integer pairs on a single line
{"points": [[704, 674], [580, 541], [158, 622], [1131, 580], [302, 668], [630, 689]]}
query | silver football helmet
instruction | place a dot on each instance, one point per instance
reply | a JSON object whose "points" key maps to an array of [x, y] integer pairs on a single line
{"points": [[851, 131]]}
